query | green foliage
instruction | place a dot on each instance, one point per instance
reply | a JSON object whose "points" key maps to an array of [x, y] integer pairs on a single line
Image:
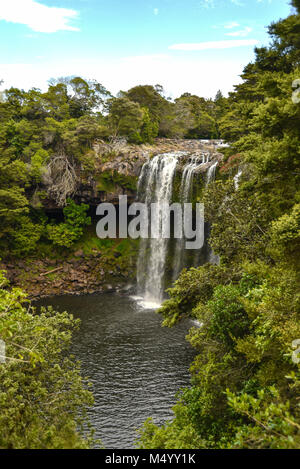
{"points": [[169, 436], [45, 139], [244, 346], [108, 180], [189, 116], [37, 163], [26, 236], [147, 97], [65, 234], [149, 128], [126, 119], [238, 221], [43, 398], [285, 233], [228, 319], [272, 422], [196, 116], [193, 285]]}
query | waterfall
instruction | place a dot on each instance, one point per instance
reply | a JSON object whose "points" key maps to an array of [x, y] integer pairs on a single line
{"points": [[211, 173], [236, 179], [155, 185], [185, 193], [188, 175]]}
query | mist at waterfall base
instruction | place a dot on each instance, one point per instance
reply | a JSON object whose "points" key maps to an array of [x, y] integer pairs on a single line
{"points": [[161, 260]]}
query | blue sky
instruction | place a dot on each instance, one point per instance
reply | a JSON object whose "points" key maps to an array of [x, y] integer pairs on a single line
{"points": [[198, 46]]}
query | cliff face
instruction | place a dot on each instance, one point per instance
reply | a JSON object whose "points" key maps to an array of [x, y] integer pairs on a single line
{"points": [[118, 165], [90, 268]]}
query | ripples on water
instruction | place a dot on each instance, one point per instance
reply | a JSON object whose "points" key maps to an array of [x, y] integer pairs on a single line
{"points": [[136, 366]]}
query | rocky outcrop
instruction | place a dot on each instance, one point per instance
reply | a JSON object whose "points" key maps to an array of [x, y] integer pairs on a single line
{"points": [[77, 275], [118, 165]]}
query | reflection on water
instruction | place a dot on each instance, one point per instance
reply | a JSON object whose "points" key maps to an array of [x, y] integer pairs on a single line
{"points": [[136, 366]]}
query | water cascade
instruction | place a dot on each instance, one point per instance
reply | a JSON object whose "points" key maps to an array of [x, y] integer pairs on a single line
{"points": [[184, 197], [236, 179], [155, 186], [211, 173]]}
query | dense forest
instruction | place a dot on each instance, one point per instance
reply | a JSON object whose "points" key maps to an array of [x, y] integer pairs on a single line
{"points": [[245, 384]]}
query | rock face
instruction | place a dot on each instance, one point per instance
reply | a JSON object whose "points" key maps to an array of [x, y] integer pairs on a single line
{"points": [[82, 274], [118, 165], [115, 173]]}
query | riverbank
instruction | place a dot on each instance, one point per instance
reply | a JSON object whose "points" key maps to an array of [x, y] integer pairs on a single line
{"points": [[85, 271]]}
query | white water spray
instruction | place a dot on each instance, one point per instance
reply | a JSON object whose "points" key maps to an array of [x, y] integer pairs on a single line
{"points": [[185, 195], [155, 186], [236, 179], [211, 173]]}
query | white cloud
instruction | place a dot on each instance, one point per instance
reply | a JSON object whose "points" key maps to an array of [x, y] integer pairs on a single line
{"points": [[176, 74], [214, 45], [36, 16], [208, 3], [231, 25], [241, 33], [156, 11]]}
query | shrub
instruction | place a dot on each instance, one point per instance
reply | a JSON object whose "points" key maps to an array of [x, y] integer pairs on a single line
{"points": [[43, 398], [66, 234]]}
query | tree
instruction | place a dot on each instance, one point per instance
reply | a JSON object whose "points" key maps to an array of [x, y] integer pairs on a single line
{"points": [[43, 397], [65, 234], [148, 97], [195, 116], [126, 119], [83, 96]]}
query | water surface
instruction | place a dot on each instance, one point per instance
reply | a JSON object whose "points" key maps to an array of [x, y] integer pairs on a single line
{"points": [[136, 366]]}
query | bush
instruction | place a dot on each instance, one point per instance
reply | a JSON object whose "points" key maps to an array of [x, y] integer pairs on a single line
{"points": [[26, 236], [43, 398], [66, 234], [228, 319]]}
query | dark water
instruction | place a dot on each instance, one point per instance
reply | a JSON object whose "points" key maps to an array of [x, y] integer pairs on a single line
{"points": [[135, 365]]}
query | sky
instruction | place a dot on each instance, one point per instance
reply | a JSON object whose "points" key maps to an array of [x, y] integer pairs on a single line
{"points": [[196, 46]]}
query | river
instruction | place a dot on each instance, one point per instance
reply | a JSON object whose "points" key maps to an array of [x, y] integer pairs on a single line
{"points": [[136, 366]]}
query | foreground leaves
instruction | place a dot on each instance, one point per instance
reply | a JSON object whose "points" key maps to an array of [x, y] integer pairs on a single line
{"points": [[43, 398]]}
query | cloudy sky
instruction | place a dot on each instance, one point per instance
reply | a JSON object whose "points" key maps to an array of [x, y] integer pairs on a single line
{"points": [[198, 46]]}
